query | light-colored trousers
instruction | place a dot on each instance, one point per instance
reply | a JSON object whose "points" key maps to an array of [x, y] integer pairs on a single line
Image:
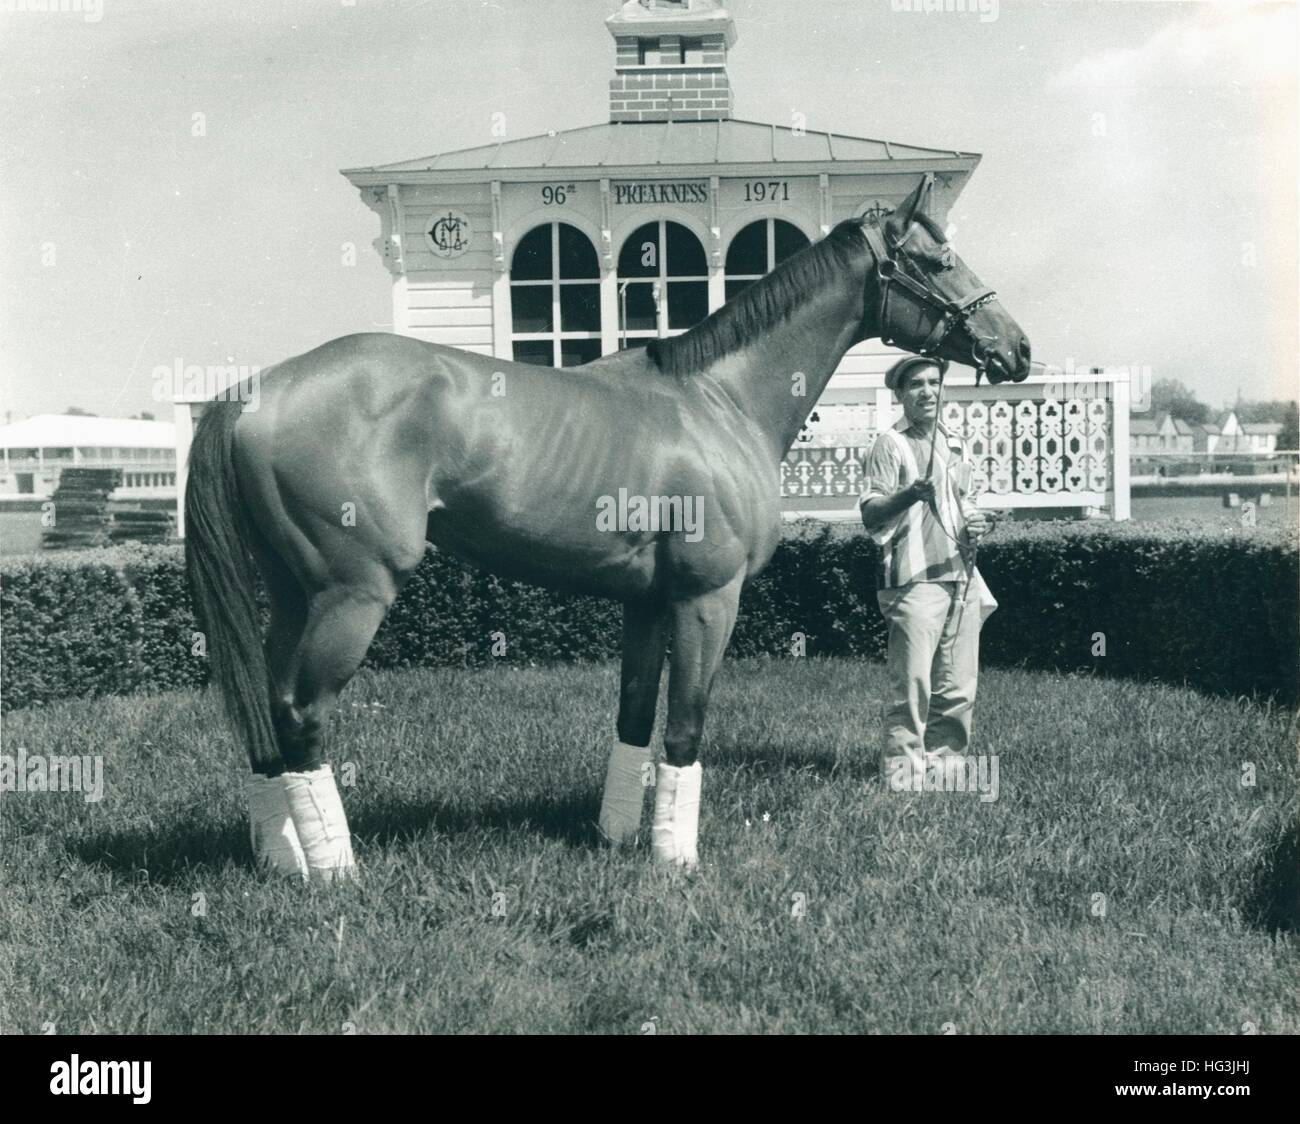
{"points": [[933, 666]]}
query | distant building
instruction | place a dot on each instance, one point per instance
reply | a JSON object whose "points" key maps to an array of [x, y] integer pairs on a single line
{"points": [[1162, 434], [1207, 437], [1261, 436], [33, 452], [1153, 442], [1227, 435]]}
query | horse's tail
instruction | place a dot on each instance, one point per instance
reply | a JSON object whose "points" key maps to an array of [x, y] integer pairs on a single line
{"points": [[221, 574]]}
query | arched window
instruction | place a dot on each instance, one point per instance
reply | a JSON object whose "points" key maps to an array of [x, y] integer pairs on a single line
{"points": [[758, 249], [555, 297], [663, 282]]}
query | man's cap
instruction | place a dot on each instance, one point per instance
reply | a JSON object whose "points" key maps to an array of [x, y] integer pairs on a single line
{"points": [[896, 374]]}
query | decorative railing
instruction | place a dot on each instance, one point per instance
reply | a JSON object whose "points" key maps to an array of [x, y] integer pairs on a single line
{"points": [[835, 470], [1046, 446]]}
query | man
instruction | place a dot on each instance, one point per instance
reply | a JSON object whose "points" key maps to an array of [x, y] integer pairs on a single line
{"points": [[925, 520]]}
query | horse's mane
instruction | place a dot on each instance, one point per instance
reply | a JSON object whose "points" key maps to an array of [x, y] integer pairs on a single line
{"points": [[761, 306]]}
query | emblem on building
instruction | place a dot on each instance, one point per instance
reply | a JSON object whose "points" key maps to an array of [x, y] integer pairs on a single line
{"points": [[449, 234]]}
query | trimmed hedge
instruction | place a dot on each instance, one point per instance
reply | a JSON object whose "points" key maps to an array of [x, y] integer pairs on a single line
{"points": [[1214, 608], [95, 622]]}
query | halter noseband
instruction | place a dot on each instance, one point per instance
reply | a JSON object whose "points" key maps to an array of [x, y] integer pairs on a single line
{"points": [[952, 313]]}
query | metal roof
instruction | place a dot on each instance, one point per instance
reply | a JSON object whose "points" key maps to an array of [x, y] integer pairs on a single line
{"points": [[668, 143], [62, 431]]}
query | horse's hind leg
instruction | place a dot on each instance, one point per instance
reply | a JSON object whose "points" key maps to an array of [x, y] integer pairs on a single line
{"points": [[645, 635], [341, 622], [273, 834], [701, 630], [283, 638], [313, 647]]}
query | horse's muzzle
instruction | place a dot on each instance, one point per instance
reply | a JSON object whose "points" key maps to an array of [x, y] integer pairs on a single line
{"points": [[1000, 366]]}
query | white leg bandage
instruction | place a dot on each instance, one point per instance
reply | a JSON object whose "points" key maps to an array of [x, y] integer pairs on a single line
{"points": [[677, 814], [322, 824], [625, 784], [271, 829]]}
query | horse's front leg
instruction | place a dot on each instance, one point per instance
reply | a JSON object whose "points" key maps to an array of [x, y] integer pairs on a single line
{"points": [[645, 634], [701, 630]]}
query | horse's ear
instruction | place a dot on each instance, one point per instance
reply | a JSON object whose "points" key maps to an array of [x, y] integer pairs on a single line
{"points": [[902, 217]]}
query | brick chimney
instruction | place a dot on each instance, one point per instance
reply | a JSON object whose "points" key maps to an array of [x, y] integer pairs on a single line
{"points": [[671, 61]]}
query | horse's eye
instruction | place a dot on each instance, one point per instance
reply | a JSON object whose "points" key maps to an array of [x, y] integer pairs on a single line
{"points": [[946, 258]]}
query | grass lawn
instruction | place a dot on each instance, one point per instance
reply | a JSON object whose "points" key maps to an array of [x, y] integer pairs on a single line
{"points": [[488, 905]]}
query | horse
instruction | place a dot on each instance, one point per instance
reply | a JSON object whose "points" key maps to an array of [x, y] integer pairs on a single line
{"points": [[367, 448]]}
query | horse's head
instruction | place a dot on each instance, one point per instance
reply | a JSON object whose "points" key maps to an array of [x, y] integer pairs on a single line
{"points": [[922, 297]]}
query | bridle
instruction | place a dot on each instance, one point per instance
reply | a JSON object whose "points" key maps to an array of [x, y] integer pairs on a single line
{"points": [[953, 314]]}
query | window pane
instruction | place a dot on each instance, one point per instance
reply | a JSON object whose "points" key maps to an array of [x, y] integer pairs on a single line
{"points": [[575, 352], [748, 250], [788, 237], [641, 307], [530, 307], [642, 244], [537, 352], [577, 254], [736, 287], [532, 260], [688, 303], [685, 254], [580, 308], [632, 343]]}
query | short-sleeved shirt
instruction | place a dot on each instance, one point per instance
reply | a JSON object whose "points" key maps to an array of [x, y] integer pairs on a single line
{"points": [[917, 545]]}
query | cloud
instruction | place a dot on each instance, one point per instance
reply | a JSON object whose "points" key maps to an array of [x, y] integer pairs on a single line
{"points": [[1220, 44]]}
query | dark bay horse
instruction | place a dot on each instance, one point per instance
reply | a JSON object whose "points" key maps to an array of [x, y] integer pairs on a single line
{"points": [[370, 446]]}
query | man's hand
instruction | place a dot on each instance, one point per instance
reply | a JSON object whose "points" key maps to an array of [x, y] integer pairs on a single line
{"points": [[875, 512], [979, 525], [920, 490]]}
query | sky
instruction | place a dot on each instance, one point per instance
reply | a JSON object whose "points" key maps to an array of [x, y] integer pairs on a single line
{"points": [[170, 183]]}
